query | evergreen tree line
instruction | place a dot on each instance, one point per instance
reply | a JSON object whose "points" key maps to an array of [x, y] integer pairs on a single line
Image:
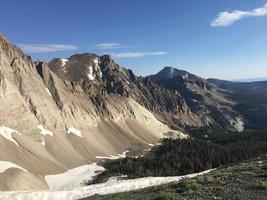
{"points": [[178, 157]]}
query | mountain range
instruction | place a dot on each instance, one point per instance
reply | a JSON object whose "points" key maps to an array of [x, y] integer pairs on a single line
{"points": [[71, 111]]}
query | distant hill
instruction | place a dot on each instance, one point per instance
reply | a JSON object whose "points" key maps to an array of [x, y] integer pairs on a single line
{"points": [[251, 79]]}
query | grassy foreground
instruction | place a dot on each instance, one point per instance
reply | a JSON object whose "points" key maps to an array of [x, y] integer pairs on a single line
{"points": [[246, 180]]}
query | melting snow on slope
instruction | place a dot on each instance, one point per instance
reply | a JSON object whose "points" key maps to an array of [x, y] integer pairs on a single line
{"points": [[185, 76], [64, 60], [101, 189], [44, 131], [238, 124], [48, 92], [111, 157], [75, 131], [96, 61], [90, 73], [43, 142], [6, 132], [4, 165], [74, 178]]}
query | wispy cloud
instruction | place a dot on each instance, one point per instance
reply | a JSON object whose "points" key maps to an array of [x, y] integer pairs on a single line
{"points": [[112, 45], [137, 54], [46, 48], [228, 18]]}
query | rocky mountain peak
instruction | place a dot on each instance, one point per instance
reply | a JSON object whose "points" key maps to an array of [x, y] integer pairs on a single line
{"points": [[77, 67], [107, 59], [168, 73]]}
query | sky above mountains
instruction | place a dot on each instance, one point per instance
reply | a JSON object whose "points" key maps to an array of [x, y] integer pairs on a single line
{"points": [[224, 39]]}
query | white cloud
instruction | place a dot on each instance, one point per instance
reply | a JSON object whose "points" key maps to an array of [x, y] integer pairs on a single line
{"points": [[46, 48], [228, 18], [137, 54], [109, 45]]}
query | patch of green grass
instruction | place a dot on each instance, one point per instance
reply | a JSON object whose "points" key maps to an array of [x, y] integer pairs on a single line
{"points": [[263, 184], [223, 174], [218, 188], [167, 196], [246, 173], [207, 179], [200, 179], [191, 185], [210, 179], [249, 166]]}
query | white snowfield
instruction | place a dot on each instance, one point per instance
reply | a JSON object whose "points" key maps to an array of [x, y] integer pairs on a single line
{"points": [[74, 178], [6, 132], [4, 165], [109, 187]]}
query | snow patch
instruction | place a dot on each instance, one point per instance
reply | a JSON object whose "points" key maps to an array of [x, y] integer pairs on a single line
{"points": [[139, 156], [96, 61], [111, 157], [90, 73], [74, 177], [4, 165], [185, 76], [75, 132], [48, 92], [43, 142], [100, 189], [6, 132], [44, 131], [64, 60], [238, 124]]}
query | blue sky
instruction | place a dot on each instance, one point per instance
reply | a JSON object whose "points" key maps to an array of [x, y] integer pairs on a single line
{"points": [[224, 38]]}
